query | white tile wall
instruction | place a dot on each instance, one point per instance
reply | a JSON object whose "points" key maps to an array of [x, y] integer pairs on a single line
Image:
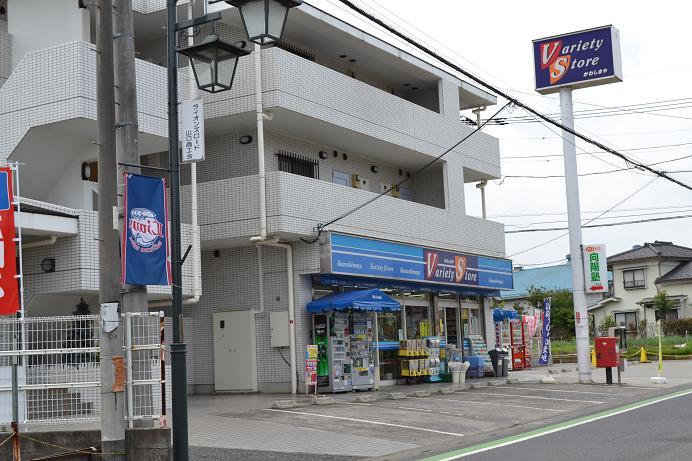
{"points": [[59, 83]]}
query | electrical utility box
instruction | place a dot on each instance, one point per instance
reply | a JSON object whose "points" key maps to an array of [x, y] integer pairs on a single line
{"points": [[278, 328], [607, 353]]}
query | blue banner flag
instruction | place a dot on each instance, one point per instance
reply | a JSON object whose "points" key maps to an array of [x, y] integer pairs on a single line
{"points": [[545, 338], [145, 255]]}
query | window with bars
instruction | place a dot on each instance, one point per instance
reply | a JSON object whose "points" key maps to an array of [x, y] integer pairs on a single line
{"points": [[297, 164]]}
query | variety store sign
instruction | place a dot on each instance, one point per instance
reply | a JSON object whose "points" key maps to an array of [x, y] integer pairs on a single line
{"points": [[577, 60], [364, 257]]}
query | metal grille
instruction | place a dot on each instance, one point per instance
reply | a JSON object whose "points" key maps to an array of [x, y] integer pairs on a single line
{"points": [[58, 368], [296, 164]]}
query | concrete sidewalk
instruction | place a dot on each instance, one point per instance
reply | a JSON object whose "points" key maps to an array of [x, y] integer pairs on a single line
{"points": [[247, 427]]}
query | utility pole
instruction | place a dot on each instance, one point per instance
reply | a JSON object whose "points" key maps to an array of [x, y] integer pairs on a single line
{"points": [[581, 323], [111, 342], [134, 297]]}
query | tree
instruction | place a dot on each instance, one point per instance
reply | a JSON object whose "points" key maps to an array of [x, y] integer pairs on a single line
{"points": [[663, 303], [562, 309], [607, 323]]}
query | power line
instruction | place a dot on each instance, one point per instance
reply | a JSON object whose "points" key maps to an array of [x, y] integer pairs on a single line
{"points": [[661, 146], [605, 217], [508, 97], [591, 220], [624, 223], [558, 213]]}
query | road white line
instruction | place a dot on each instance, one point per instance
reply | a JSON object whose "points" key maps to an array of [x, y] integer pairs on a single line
{"points": [[535, 397], [415, 409], [555, 428], [377, 423], [471, 402], [559, 390], [357, 403]]}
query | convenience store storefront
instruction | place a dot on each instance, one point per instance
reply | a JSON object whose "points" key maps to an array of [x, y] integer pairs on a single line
{"points": [[440, 293]]}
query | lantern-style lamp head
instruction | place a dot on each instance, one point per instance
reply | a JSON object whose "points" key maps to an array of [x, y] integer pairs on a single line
{"points": [[264, 20], [214, 63]]}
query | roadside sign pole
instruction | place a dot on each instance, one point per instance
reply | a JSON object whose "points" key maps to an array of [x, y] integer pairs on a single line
{"points": [[581, 323]]}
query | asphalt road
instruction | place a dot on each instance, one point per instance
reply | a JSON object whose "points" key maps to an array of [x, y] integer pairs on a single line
{"points": [[658, 432]]}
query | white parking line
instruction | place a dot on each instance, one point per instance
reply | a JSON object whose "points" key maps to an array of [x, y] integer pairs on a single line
{"points": [[415, 409], [471, 402], [558, 390], [531, 397], [377, 423]]}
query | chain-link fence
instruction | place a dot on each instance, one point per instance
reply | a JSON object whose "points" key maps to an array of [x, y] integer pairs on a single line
{"points": [[50, 370]]}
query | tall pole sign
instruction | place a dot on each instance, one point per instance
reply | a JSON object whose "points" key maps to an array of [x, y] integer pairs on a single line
{"points": [[562, 63]]}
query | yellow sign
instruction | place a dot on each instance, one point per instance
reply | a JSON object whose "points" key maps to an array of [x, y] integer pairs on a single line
{"points": [[312, 352]]}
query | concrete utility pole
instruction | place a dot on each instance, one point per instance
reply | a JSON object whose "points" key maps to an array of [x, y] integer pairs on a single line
{"points": [[575, 239], [112, 397], [134, 297]]}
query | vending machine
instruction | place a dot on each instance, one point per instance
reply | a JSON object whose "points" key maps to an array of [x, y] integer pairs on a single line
{"points": [[332, 336], [362, 351]]}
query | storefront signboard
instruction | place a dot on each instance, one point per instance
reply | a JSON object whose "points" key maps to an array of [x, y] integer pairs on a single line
{"points": [[364, 257], [595, 269], [577, 60]]}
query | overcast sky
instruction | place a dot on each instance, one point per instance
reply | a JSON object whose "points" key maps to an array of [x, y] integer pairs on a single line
{"points": [[493, 40]]}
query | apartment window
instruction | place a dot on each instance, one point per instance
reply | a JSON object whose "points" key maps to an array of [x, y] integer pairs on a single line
{"points": [[296, 164], [627, 320], [634, 278]]}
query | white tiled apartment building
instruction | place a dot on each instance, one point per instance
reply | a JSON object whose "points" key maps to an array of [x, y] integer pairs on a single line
{"points": [[354, 110]]}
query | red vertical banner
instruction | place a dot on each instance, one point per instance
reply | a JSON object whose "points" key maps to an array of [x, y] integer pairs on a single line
{"points": [[9, 288]]}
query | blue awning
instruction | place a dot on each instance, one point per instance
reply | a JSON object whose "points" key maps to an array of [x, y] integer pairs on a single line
{"points": [[361, 300]]}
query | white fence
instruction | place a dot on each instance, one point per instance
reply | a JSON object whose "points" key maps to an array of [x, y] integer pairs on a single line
{"points": [[58, 371]]}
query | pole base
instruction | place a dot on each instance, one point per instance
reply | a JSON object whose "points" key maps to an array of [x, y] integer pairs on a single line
{"points": [[659, 380]]}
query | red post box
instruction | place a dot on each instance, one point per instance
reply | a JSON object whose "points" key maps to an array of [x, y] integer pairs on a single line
{"points": [[607, 353]]}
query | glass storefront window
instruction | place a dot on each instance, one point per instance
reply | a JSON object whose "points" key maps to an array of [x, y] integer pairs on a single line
{"points": [[388, 324], [414, 316]]}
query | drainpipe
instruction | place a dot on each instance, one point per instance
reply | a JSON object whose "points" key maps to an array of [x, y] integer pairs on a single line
{"points": [[41, 243], [274, 242], [481, 185], [260, 143]]}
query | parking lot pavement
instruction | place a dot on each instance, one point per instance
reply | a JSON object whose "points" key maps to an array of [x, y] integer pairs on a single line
{"points": [[384, 427]]}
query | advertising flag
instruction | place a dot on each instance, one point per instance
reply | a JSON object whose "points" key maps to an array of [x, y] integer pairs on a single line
{"points": [[145, 255], [9, 288], [545, 339]]}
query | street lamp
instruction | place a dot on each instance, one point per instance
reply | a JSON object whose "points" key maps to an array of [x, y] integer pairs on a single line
{"points": [[214, 63], [264, 20]]}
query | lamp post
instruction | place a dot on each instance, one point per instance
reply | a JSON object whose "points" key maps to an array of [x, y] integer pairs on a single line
{"points": [[214, 63], [264, 20]]}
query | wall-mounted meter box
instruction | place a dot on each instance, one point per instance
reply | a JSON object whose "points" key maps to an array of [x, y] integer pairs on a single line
{"points": [[278, 327]]}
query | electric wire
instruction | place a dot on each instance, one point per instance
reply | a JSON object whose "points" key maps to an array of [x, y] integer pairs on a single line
{"points": [[662, 146], [321, 227], [509, 97], [623, 223], [558, 213], [591, 220], [657, 213]]}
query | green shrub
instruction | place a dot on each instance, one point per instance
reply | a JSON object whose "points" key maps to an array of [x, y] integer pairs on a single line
{"points": [[676, 327]]}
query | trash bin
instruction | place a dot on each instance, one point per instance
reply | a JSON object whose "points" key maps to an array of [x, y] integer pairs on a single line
{"points": [[495, 359], [505, 364]]}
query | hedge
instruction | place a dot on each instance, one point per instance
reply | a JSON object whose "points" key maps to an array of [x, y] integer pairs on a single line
{"points": [[676, 327]]}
